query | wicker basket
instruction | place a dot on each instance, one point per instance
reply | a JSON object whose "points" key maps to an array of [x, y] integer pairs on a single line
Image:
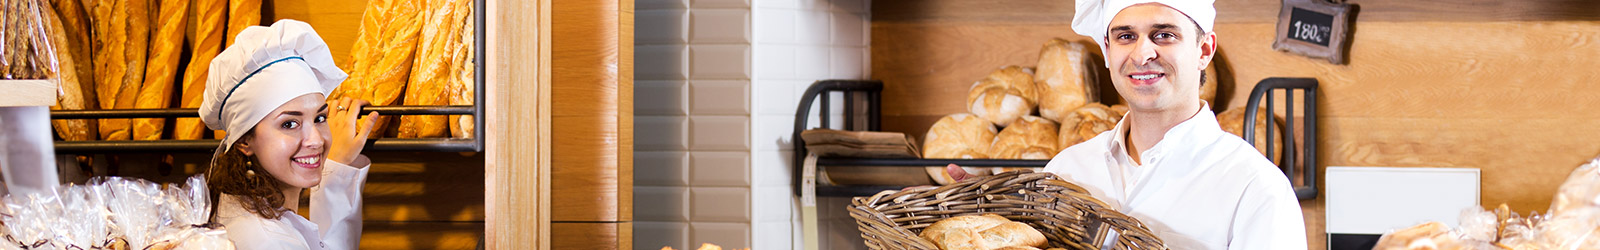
{"points": [[1067, 215]]}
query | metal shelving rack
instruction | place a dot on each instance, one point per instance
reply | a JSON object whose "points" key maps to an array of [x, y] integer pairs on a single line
{"points": [[870, 92]]}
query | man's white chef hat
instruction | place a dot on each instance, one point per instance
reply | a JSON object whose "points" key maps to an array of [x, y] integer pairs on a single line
{"points": [[1093, 17], [264, 68]]}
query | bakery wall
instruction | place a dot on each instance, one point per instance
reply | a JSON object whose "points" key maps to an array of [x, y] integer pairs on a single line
{"points": [[1504, 87]]}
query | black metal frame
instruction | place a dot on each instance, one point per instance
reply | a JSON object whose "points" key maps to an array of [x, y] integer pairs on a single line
{"points": [[474, 144], [1307, 87]]}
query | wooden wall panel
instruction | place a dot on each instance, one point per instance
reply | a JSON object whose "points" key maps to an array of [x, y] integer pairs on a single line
{"points": [[1422, 89], [517, 124], [591, 185], [583, 235]]}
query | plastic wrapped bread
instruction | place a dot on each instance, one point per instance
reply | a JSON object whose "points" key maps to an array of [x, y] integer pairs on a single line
{"points": [[1086, 122], [1061, 79], [435, 59], [958, 136], [1003, 96], [76, 92], [463, 85], [165, 46], [26, 51], [206, 15]]}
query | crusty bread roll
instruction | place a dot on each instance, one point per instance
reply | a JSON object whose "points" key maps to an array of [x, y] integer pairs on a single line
{"points": [[76, 91], [1029, 138], [985, 232], [1061, 79], [958, 136], [1003, 96], [204, 46], [434, 61], [1086, 122], [242, 14], [1208, 88], [1233, 122], [165, 46]]}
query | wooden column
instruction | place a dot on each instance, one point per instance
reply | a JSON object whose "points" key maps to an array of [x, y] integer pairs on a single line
{"points": [[517, 124], [591, 117]]}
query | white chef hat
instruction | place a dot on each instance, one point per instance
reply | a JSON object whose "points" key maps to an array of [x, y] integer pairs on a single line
{"points": [[1094, 16], [264, 68]]}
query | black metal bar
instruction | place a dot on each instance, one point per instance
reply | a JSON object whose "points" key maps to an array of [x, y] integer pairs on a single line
{"points": [[825, 112], [874, 111], [1288, 133], [480, 103], [206, 146], [803, 112], [1308, 87], [192, 112], [1309, 191], [850, 111], [919, 163]]}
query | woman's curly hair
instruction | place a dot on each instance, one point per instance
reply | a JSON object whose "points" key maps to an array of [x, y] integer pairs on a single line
{"points": [[260, 193]]}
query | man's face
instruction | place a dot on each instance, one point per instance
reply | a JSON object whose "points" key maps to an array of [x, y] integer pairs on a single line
{"points": [[1156, 56]]}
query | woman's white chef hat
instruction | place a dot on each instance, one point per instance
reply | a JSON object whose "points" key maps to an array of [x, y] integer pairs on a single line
{"points": [[1093, 17], [264, 68]]}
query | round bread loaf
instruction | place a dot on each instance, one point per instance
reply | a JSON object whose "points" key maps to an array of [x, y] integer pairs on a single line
{"points": [[1029, 138], [1061, 79], [985, 232], [958, 136], [1086, 122], [1005, 95], [1233, 122]]}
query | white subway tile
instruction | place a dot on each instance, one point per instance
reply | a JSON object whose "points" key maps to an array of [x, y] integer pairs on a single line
{"points": [[720, 204], [660, 203], [846, 63], [719, 26], [773, 97], [851, 6], [811, 62], [661, 168], [720, 62], [772, 204], [652, 235], [665, 26], [814, 27], [720, 169], [772, 235], [775, 61], [770, 168], [776, 25], [773, 132], [702, 4], [720, 97], [661, 4], [660, 98], [849, 29], [661, 132], [727, 235], [719, 133], [660, 62]]}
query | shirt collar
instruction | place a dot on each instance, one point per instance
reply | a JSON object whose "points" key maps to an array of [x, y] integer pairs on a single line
{"points": [[1185, 133]]}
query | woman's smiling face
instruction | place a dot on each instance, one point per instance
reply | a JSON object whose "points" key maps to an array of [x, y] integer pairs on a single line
{"points": [[290, 142]]}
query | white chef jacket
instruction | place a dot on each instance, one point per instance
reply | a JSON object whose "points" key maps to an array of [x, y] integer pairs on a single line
{"points": [[335, 216], [1198, 188]]}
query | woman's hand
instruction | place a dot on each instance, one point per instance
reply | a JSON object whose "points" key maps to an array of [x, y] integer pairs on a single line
{"points": [[348, 129]]}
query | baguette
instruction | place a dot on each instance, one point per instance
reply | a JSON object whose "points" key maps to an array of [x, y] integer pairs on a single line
{"points": [[137, 13], [74, 94], [384, 71], [462, 84], [166, 45], [206, 44], [75, 23], [431, 76], [110, 62], [242, 14]]}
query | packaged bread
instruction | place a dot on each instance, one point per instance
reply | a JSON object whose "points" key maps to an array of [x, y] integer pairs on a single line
{"points": [[204, 46], [75, 92], [985, 232], [1063, 84], [381, 58], [165, 46], [958, 136], [1087, 122], [433, 63], [1003, 96], [242, 14], [1233, 121], [462, 87]]}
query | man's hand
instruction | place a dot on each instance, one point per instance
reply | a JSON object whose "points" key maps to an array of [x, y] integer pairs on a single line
{"points": [[348, 129], [956, 172]]}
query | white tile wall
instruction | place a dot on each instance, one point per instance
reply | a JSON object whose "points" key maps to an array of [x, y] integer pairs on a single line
{"points": [[717, 83]]}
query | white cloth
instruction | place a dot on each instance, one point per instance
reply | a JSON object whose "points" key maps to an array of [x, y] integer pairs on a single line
{"points": [[264, 68], [1093, 17], [335, 216], [1198, 188]]}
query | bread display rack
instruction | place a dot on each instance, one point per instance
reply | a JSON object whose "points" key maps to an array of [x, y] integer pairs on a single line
{"points": [[473, 144], [1294, 160]]}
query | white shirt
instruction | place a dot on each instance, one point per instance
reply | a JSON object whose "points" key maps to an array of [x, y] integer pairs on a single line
{"points": [[1198, 188], [335, 216]]}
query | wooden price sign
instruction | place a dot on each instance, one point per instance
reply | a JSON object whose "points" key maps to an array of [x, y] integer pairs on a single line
{"points": [[1314, 28]]}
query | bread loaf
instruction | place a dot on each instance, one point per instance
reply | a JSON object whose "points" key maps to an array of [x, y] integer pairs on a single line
{"points": [[204, 46], [384, 65], [1233, 121], [165, 46], [958, 136], [242, 14], [1087, 122], [1029, 138], [462, 84], [76, 94], [1003, 96], [1208, 87], [123, 72], [75, 24], [434, 61], [985, 232], [1061, 79]]}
